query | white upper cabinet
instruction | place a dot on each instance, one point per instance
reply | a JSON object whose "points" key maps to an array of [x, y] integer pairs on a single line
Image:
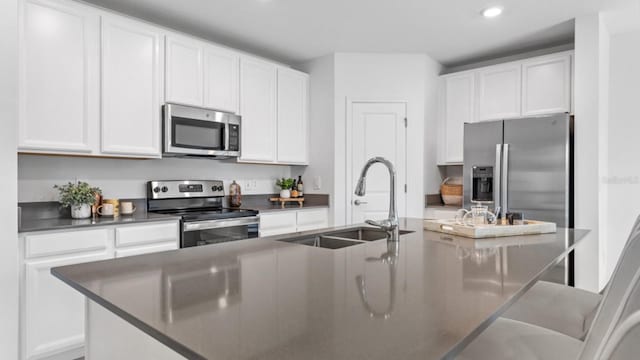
{"points": [[258, 81], [499, 92], [221, 79], [202, 74], [131, 87], [92, 82], [292, 116], [546, 85], [185, 71], [458, 108], [59, 77], [531, 87]]}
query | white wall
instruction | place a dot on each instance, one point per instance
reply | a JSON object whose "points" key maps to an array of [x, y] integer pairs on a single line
{"points": [[591, 68], [432, 177], [8, 183], [319, 175], [623, 181], [126, 178], [382, 77]]}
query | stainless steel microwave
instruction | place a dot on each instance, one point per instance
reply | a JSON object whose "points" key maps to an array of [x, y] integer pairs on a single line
{"points": [[200, 132]]}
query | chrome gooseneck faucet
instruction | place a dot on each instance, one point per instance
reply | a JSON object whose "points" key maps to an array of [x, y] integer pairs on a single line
{"points": [[391, 223]]}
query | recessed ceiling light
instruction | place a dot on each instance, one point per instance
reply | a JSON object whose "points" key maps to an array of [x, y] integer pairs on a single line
{"points": [[492, 12]]}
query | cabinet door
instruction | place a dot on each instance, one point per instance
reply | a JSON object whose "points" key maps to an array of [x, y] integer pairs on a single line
{"points": [[292, 116], [499, 92], [131, 87], [546, 85], [53, 311], [459, 108], [184, 78], [312, 219], [258, 110], [221, 79], [59, 77], [276, 223]]}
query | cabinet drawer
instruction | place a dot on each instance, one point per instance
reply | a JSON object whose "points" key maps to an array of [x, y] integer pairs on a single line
{"points": [[277, 223], [147, 249], [312, 219], [144, 234], [66, 242]]}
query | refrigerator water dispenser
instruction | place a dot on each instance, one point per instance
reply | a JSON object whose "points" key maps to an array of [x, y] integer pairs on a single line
{"points": [[482, 184]]}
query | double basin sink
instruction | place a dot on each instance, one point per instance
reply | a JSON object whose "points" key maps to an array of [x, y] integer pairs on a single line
{"points": [[343, 238]]}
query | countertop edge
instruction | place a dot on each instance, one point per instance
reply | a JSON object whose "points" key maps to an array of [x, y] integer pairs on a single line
{"points": [[139, 324], [158, 218]]}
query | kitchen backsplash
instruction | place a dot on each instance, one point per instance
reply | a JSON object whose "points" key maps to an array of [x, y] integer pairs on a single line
{"points": [[124, 178]]}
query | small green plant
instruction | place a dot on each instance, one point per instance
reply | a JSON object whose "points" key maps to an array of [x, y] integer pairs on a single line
{"points": [[80, 193], [285, 184]]}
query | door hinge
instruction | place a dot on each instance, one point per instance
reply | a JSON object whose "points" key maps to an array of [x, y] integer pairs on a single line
{"points": [[405, 188], [406, 122]]}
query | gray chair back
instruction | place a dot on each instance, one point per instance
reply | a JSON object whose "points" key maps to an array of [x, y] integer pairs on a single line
{"points": [[620, 292], [623, 337]]}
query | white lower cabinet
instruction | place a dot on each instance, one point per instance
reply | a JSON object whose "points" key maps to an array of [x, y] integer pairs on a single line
{"points": [[312, 219], [290, 221], [52, 313]]}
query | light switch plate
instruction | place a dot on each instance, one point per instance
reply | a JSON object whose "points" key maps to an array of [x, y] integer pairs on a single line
{"points": [[317, 183]]}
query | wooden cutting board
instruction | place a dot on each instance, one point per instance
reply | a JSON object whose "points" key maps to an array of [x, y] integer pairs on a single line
{"points": [[530, 227]]}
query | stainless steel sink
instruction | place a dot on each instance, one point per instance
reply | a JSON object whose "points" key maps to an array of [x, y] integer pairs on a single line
{"points": [[323, 242], [342, 238], [363, 234]]}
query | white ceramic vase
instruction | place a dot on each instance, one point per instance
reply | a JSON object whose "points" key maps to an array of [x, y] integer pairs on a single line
{"points": [[285, 194], [80, 211]]}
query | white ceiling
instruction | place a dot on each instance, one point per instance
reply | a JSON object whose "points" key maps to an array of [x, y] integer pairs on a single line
{"points": [[451, 31]]}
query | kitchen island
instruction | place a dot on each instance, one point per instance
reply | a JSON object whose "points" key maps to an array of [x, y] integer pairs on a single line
{"points": [[425, 298]]}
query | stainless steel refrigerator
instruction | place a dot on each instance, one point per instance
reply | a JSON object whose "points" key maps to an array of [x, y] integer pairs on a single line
{"points": [[523, 165]]}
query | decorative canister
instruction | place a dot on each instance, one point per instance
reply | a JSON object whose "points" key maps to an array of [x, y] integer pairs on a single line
{"points": [[235, 194]]}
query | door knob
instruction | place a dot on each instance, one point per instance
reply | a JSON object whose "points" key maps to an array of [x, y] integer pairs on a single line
{"points": [[357, 202]]}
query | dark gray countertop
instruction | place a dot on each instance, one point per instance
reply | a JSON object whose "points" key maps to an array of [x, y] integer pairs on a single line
{"points": [[29, 225], [44, 216], [281, 300]]}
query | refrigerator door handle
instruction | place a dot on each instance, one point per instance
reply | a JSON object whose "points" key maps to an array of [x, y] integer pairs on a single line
{"points": [[505, 179], [496, 179]]}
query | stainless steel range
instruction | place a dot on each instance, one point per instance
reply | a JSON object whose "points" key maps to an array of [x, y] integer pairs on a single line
{"points": [[199, 203]]}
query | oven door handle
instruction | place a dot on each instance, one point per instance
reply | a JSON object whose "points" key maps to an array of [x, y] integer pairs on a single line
{"points": [[222, 223]]}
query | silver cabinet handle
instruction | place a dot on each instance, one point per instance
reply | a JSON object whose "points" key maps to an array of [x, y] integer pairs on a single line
{"points": [[357, 202]]}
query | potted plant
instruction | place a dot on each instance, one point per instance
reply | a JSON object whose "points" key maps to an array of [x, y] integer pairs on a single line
{"points": [[79, 197], [285, 186]]}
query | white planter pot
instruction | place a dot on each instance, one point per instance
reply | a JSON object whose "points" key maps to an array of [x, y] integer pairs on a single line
{"points": [[80, 211], [285, 194]]}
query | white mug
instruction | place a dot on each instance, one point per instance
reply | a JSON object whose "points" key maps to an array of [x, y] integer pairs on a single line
{"points": [[105, 210], [127, 208]]}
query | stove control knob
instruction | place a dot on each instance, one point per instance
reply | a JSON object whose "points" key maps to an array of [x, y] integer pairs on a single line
{"points": [[214, 188], [165, 189], [156, 189], [220, 188]]}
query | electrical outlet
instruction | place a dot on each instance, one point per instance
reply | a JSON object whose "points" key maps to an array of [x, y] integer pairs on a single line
{"points": [[317, 183]]}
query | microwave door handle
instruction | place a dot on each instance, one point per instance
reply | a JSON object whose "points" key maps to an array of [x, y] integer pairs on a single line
{"points": [[225, 135]]}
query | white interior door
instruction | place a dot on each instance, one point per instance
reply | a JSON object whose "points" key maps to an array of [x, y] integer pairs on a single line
{"points": [[378, 129]]}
